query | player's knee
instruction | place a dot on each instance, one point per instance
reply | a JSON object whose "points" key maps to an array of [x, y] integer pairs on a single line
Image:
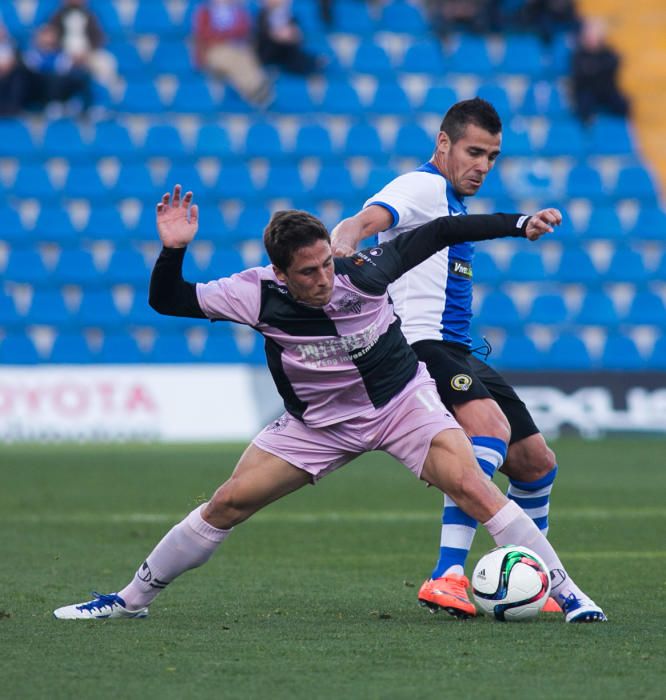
{"points": [[530, 459], [224, 510]]}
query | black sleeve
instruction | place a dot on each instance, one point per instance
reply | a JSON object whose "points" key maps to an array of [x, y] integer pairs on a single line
{"points": [[373, 269], [169, 293]]}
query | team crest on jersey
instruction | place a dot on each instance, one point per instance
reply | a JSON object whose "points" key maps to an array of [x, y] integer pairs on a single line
{"points": [[350, 302], [278, 425], [461, 382], [376, 252]]}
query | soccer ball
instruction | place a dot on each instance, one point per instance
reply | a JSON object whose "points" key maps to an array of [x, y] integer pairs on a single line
{"points": [[511, 583]]}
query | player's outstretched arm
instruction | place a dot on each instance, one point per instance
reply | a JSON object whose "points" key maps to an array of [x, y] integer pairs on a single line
{"points": [[542, 222], [177, 220], [350, 232]]}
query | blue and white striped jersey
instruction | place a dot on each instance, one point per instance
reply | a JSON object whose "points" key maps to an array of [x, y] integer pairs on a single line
{"points": [[434, 300]]}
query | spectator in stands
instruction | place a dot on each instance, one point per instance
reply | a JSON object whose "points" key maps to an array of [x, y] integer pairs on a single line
{"points": [[13, 76], [54, 77], [223, 46], [546, 17], [81, 37], [280, 40], [594, 68], [455, 15]]}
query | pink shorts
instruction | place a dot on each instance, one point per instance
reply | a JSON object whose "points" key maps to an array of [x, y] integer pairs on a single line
{"points": [[404, 428]]}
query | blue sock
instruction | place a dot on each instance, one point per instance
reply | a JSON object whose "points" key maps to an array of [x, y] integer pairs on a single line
{"points": [[458, 528], [534, 497]]}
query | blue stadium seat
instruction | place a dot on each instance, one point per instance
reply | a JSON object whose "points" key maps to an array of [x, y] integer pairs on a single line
{"points": [[610, 136], [523, 55], [516, 142], [519, 353], [526, 266], [76, 266], [364, 140], [14, 24], [498, 309], [53, 225], [127, 266], [221, 347], [620, 353], [48, 308], [485, 269], [470, 56], [144, 229], [584, 181], [334, 182], [412, 141], [283, 181], [544, 99], [341, 98], [650, 224], [70, 348], [170, 348], [495, 93], [292, 96], [234, 182], [163, 141], [193, 96], [402, 18], [313, 141], [105, 223], [130, 63], [548, 309], [213, 141], [251, 223], [567, 352], [263, 140], [352, 17], [16, 139], [635, 182], [18, 349], [377, 179], [647, 308], [62, 139], [172, 56], [135, 181], [107, 14], [660, 272], [119, 348], [626, 265], [603, 223], [83, 182], [438, 99], [98, 308], [187, 175], [224, 263], [25, 266], [32, 182], [390, 98], [112, 138], [153, 18], [212, 225], [597, 309], [424, 56], [576, 266], [657, 358], [141, 97], [372, 58], [9, 315]]}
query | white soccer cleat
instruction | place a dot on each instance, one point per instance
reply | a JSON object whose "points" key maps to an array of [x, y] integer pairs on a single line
{"points": [[102, 607], [581, 610]]}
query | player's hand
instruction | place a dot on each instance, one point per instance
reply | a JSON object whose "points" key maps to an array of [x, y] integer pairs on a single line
{"points": [[177, 221], [341, 249], [543, 222]]}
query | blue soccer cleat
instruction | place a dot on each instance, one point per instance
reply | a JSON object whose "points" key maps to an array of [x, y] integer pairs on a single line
{"points": [[581, 610], [102, 607]]}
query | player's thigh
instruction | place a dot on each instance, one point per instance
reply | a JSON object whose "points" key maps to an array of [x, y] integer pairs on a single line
{"points": [[451, 467], [462, 391]]}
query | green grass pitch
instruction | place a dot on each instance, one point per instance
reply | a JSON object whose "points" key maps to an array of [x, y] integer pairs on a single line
{"points": [[316, 596]]}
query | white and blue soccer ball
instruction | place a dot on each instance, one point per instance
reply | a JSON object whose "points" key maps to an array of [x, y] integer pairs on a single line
{"points": [[511, 583]]}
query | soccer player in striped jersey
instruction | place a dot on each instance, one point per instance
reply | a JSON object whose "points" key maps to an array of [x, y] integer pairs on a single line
{"points": [[349, 380], [434, 301]]}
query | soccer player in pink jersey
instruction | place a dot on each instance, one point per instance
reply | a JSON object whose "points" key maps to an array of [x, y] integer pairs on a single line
{"points": [[349, 380]]}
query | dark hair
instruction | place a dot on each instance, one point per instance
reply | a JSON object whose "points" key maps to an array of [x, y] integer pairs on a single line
{"points": [[475, 111], [289, 230]]}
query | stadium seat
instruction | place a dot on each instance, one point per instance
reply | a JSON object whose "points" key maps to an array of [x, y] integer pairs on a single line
{"points": [[70, 348], [548, 309], [610, 136], [221, 347], [523, 55], [650, 224], [170, 348], [545, 99], [83, 182], [402, 18], [470, 56], [25, 266], [135, 181], [352, 17], [584, 181], [98, 308], [567, 352], [16, 139], [9, 315], [364, 140], [334, 182], [424, 56], [119, 348], [105, 223], [153, 18], [604, 223], [519, 353], [172, 57], [377, 179], [127, 266], [313, 141], [224, 263], [657, 359], [626, 265], [53, 225], [163, 141], [495, 93], [234, 182], [635, 182], [187, 175], [292, 96], [283, 181], [373, 59], [76, 266], [516, 141], [32, 182], [576, 266], [646, 308], [390, 98], [438, 99], [62, 139], [412, 141], [213, 141], [141, 97], [526, 266], [597, 309], [130, 64], [340, 98], [18, 349], [212, 225], [263, 140], [485, 269], [48, 308], [251, 223], [111, 138], [193, 96], [620, 353], [498, 310]]}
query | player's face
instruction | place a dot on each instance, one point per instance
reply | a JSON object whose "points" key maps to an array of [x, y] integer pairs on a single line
{"points": [[467, 162], [309, 278]]}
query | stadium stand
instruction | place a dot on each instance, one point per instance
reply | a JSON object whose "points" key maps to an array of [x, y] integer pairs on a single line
{"points": [[77, 197]]}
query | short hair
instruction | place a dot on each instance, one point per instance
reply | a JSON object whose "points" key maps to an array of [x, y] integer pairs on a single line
{"points": [[475, 111], [289, 230]]}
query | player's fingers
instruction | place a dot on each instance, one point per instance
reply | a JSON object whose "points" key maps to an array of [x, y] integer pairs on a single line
{"points": [[187, 198], [176, 196], [194, 214]]}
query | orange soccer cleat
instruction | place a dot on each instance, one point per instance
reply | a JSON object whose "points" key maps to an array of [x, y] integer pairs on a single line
{"points": [[551, 606], [447, 593]]}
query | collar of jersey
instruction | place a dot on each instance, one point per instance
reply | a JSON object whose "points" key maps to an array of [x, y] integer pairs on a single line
{"points": [[455, 201]]}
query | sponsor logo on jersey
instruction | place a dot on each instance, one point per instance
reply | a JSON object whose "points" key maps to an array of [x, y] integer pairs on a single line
{"points": [[461, 382], [361, 258], [462, 268]]}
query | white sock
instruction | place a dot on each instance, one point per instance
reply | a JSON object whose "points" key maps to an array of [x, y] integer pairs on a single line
{"points": [[187, 545], [510, 525]]}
